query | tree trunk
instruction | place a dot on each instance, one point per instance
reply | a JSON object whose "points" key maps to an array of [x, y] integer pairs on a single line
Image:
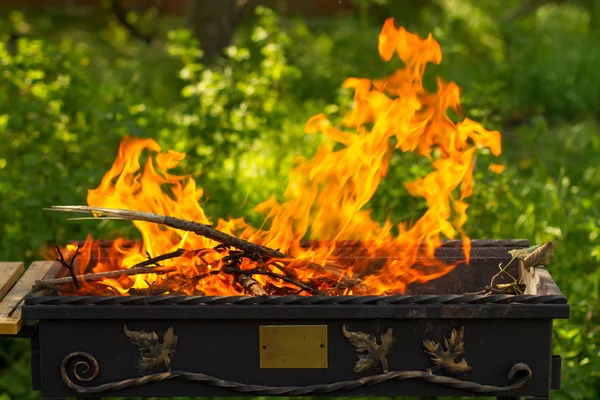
{"points": [[214, 22]]}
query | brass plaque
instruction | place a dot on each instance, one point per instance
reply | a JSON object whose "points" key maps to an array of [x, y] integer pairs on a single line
{"points": [[293, 346]]}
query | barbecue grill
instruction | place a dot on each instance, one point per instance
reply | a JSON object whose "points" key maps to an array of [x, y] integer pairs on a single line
{"points": [[435, 339]]}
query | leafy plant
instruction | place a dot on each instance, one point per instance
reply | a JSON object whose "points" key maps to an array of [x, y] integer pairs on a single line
{"points": [[71, 88]]}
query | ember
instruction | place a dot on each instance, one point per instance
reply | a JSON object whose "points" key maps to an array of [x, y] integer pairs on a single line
{"points": [[324, 202]]}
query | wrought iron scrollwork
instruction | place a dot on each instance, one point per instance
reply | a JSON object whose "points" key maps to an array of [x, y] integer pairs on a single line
{"points": [[73, 377], [88, 365]]}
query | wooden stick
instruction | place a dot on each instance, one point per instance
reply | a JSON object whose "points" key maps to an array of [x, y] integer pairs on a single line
{"points": [[139, 268], [190, 226], [245, 280], [44, 284], [70, 264], [199, 229], [251, 285], [337, 274], [49, 283]]}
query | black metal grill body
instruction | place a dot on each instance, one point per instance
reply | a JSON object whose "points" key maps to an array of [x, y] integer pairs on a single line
{"points": [[218, 349]]}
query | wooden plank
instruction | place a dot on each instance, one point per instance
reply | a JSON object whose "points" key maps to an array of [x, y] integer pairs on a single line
{"points": [[9, 273], [55, 271], [11, 325]]}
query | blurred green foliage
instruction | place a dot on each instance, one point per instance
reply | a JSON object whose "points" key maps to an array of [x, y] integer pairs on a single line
{"points": [[71, 88]]}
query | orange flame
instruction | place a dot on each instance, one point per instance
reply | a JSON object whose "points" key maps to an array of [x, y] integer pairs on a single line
{"points": [[326, 195]]}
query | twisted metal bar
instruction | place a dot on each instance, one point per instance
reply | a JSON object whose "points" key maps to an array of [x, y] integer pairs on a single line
{"points": [[353, 243], [467, 386], [293, 300]]}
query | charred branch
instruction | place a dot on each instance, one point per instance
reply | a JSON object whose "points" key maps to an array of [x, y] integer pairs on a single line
{"points": [[69, 265], [42, 284], [151, 266], [337, 274], [300, 284], [233, 262], [184, 225], [137, 269], [251, 285], [230, 264], [213, 234], [157, 259]]}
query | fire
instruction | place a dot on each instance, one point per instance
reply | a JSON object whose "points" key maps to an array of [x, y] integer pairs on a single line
{"points": [[325, 198]]}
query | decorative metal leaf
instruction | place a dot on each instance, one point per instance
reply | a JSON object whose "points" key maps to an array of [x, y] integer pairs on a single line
{"points": [[144, 340], [375, 353], [387, 342], [447, 359], [364, 363], [361, 341], [432, 349], [456, 343], [152, 352]]}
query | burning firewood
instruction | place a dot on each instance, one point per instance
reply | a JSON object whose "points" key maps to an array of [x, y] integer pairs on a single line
{"points": [[69, 265], [251, 285], [140, 268], [278, 259], [230, 264], [190, 226]]}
